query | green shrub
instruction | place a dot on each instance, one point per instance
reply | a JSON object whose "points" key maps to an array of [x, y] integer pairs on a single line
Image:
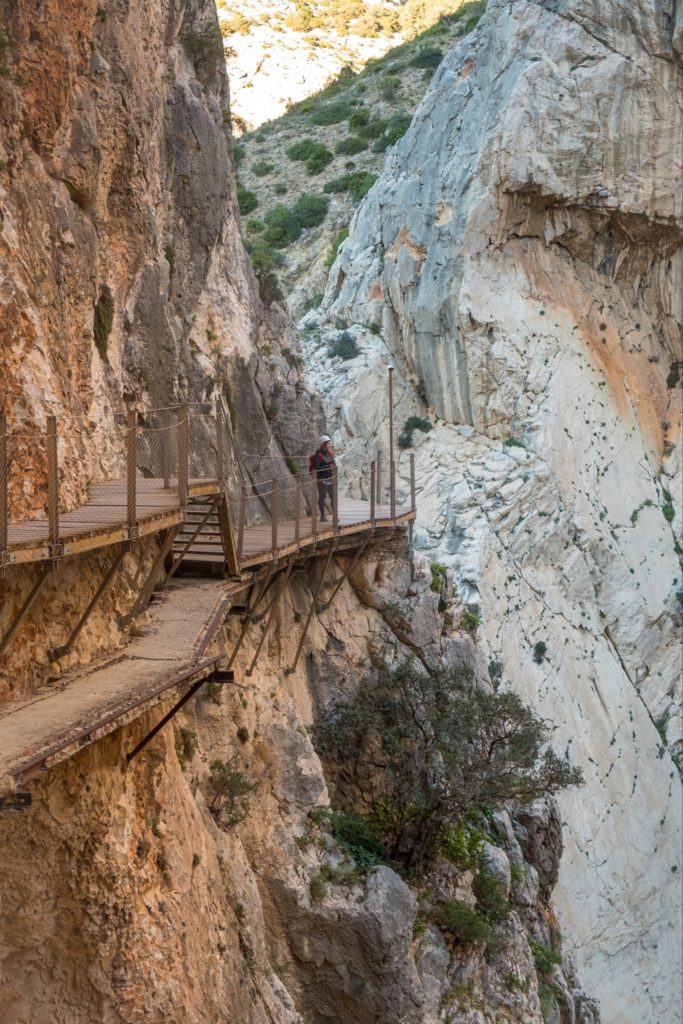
{"points": [[351, 145], [185, 745], [332, 113], [389, 86], [544, 958], [513, 442], [405, 438], [103, 320], [340, 237], [540, 651], [356, 838], [674, 375], [397, 127], [246, 200], [284, 224], [280, 189], [450, 747], [490, 896], [264, 261], [254, 226], [469, 621], [313, 154], [463, 922], [439, 577], [374, 129], [169, 254], [5, 51], [356, 183], [427, 57], [261, 168], [358, 119], [229, 790], [462, 845], [344, 347]]}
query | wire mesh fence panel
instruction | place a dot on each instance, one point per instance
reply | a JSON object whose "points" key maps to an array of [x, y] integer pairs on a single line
{"points": [[202, 442]]}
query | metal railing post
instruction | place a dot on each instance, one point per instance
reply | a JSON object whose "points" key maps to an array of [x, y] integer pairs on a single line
{"points": [[297, 513], [273, 514], [183, 455], [240, 522], [314, 503], [220, 456], [130, 475], [166, 449], [373, 472], [335, 500], [413, 503], [4, 494], [393, 490], [52, 481], [378, 478]]}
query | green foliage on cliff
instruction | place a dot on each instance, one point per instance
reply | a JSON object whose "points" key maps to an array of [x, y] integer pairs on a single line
{"points": [[5, 51], [424, 751], [103, 320]]}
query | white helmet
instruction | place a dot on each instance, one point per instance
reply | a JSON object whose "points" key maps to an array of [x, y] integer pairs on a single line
{"points": [[324, 438]]}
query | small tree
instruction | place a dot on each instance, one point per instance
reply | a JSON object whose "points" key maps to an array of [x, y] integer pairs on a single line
{"points": [[421, 752], [229, 789]]}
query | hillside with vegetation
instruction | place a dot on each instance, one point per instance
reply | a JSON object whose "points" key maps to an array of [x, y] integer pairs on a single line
{"points": [[302, 175], [279, 52]]}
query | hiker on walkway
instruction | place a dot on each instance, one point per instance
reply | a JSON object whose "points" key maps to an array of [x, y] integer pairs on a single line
{"points": [[322, 463]]}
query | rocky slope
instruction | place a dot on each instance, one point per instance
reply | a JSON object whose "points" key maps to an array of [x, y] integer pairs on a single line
{"points": [[148, 905], [519, 261]]}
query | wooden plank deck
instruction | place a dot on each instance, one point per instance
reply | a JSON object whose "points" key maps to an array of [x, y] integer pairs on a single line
{"points": [[102, 520], [88, 703]]}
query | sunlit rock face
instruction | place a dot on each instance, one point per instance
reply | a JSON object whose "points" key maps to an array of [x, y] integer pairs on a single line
{"points": [[519, 261]]}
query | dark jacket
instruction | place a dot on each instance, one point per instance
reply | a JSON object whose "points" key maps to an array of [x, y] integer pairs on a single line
{"points": [[324, 464]]}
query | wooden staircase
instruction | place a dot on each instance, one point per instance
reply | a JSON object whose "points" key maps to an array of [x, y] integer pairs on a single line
{"points": [[204, 540]]}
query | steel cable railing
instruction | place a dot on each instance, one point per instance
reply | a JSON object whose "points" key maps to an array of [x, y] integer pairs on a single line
{"points": [[166, 453]]}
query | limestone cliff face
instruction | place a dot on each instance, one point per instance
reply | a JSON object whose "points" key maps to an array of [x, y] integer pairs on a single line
{"points": [[519, 261], [124, 281], [124, 899]]}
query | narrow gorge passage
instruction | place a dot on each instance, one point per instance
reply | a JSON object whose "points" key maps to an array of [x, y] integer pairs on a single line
{"points": [[416, 761]]}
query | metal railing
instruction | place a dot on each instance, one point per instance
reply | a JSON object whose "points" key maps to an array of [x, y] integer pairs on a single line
{"points": [[162, 454], [315, 499]]}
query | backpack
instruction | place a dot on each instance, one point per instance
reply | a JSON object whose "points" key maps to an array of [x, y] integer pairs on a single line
{"points": [[312, 462]]}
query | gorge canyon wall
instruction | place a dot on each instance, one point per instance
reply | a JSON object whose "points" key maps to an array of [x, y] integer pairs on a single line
{"points": [[519, 262]]}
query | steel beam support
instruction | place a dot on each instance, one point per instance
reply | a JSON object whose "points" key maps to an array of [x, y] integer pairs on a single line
{"points": [[222, 676], [271, 612], [314, 601], [148, 586], [25, 608], [59, 652], [353, 562], [249, 616]]}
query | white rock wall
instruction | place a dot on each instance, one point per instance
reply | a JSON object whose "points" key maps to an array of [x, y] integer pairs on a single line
{"points": [[521, 259]]}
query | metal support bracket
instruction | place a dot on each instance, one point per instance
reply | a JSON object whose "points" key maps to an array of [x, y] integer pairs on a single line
{"points": [[59, 652], [16, 802], [146, 591], [271, 612], [25, 608], [246, 622], [314, 602], [220, 676], [353, 562]]}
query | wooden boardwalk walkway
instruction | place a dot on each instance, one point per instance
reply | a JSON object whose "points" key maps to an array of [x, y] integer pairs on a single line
{"points": [[199, 534]]}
